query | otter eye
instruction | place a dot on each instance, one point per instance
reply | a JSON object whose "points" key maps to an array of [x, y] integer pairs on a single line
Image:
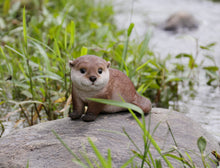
{"points": [[100, 70], [83, 70]]}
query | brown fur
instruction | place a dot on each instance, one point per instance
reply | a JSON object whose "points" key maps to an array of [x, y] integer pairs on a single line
{"points": [[115, 86]]}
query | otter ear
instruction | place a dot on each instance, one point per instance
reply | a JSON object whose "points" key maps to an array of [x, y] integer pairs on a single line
{"points": [[108, 64], [71, 64]]}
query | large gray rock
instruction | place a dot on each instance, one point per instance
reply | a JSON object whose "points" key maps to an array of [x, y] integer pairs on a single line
{"points": [[39, 146]]}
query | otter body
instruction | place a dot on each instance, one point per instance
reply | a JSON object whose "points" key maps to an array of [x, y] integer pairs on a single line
{"points": [[92, 78]]}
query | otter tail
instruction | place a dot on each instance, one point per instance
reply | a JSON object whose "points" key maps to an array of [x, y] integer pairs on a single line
{"points": [[143, 103]]}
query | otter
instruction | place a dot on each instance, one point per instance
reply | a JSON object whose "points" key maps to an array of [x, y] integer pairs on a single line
{"points": [[92, 77]]}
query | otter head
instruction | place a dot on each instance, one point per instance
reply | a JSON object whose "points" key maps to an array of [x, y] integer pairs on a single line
{"points": [[89, 73]]}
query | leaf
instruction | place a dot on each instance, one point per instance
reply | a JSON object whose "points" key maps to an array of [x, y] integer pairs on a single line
{"points": [[42, 53], [118, 103], [60, 100], [154, 63], [25, 102], [201, 143], [144, 46], [211, 68], [24, 28], [26, 93], [109, 161], [174, 79], [6, 6], [130, 28], [65, 39], [15, 51], [41, 43], [57, 49], [72, 33], [143, 65], [207, 47], [27, 166], [98, 154], [184, 55], [65, 145], [87, 159], [158, 163], [128, 162], [84, 51]]}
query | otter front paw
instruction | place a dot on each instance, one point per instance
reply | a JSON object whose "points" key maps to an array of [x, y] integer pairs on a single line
{"points": [[74, 116], [89, 117]]}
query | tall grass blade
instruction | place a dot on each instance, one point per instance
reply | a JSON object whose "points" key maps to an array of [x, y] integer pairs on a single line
{"points": [[144, 46], [143, 65], [158, 163], [24, 28], [27, 166], [124, 54], [15, 51], [118, 103], [62, 142], [128, 162], [109, 160], [88, 161], [72, 34], [57, 49], [139, 155], [41, 43], [6, 6], [132, 141], [98, 154], [65, 38], [152, 159], [9, 67], [153, 142], [43, 54]]}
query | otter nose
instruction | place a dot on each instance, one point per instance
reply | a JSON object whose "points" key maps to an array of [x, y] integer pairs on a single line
{"points": [[92, 78]]}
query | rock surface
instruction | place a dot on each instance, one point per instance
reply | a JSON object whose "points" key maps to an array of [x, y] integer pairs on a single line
{"points": [[39, 146], [180, 21]]}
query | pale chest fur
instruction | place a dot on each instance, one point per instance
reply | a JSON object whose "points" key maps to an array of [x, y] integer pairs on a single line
{"points": [[83, 95]]}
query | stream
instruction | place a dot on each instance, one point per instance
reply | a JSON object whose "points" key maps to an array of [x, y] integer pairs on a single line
{"points": [[145, 14]]}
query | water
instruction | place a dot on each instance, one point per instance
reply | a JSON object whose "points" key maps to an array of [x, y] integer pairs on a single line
{"points": [[205, 106]]}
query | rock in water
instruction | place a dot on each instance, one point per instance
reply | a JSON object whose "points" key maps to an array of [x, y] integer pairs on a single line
{"points": [[180, 21], [39, 146]]}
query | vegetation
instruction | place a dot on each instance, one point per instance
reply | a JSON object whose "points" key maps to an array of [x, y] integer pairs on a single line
{"points": [[38, 40], [39, 37]]}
